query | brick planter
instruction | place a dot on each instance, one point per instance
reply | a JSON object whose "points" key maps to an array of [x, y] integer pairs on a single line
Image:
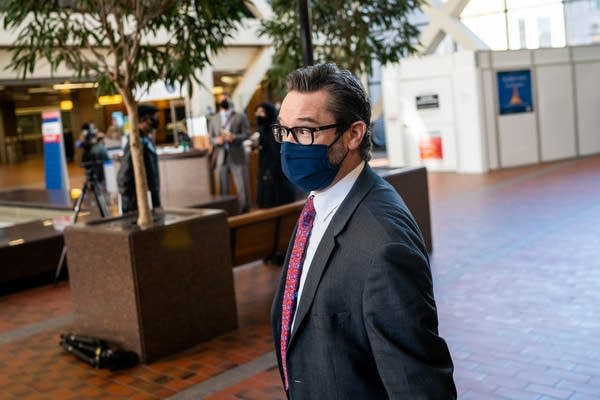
{"points": [[155, 291]]}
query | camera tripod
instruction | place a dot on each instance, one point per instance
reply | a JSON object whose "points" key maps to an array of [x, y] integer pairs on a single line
{"points": [[91, 183], [97, 352]]}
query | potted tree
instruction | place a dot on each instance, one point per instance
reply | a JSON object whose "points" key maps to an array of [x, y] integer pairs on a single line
{"points": [[139, 284], [354, 35]]}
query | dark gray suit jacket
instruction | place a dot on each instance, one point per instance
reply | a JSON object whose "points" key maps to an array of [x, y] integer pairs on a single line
{"points": [[366, 325]]}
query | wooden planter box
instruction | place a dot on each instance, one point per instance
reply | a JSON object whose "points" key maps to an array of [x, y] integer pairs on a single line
{"points": [[155, 291]]}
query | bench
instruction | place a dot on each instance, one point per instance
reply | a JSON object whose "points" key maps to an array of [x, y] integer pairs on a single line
{"points": [[411, 184], [262, 233]]}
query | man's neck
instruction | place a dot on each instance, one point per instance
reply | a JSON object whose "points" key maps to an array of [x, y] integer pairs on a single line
{"points": [[347, 166]]}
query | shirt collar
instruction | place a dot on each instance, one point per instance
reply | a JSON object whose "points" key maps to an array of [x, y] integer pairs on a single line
{"points": [[328, 201]]}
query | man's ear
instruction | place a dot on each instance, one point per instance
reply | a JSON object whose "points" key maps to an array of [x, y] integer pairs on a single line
{"points": [[358, 130]]}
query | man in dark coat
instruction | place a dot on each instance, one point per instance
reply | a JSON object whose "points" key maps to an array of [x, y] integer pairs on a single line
{"points": [[354, 316], [147, 124]]}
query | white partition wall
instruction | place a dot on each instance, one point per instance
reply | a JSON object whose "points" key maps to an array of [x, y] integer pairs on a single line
{"points": [[394, 123], [489, 111], [588, 107], [470, 124], [517, 132], [493, 110], [555, 97], [517, 140], [587, 82], [431, 108]]}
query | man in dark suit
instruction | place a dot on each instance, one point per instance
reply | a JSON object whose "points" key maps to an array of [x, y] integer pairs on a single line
{"points": [[228, 129], [363, 323]]}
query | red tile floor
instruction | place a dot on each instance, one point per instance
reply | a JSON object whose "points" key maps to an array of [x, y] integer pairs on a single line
{"points": [[516, 271]]}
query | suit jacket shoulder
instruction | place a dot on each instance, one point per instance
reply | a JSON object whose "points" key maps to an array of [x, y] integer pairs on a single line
{"points": [[366, 323]]}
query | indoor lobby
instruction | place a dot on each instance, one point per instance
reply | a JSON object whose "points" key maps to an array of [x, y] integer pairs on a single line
{"points": [[500, 106], [515, 271]]}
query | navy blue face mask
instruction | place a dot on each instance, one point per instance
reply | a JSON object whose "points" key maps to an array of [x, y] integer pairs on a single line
{"points": [[308, 167]]}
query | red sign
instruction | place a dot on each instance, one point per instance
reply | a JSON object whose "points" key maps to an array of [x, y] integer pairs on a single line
{"points": [[430, 148], [51, 138]]}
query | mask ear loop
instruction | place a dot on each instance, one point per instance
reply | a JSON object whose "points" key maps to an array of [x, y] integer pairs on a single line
{"points": [[347, 151]]}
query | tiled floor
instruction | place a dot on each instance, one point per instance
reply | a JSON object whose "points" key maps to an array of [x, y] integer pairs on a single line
{"points": [[516, 277]]}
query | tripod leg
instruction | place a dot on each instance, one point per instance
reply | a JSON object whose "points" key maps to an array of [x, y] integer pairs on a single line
{"points": [[100, 200], [79, 202], [63, 254]]}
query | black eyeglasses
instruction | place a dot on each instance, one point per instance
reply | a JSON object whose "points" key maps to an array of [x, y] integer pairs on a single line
{"points": [[303, 135]]}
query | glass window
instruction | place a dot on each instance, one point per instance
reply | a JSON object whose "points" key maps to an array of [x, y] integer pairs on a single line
{"points": [[582, 20], [541, 26], [544, 32], [513, 4], [491, 29], [522, 33], [480, 7]]}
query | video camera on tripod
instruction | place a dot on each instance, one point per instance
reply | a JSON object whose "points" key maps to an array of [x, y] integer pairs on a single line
{"points": [[94, 170], [97, 352]]}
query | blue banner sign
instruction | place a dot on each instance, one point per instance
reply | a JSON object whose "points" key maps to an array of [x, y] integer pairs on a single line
{"points": [[55, 166], [514, 92]]}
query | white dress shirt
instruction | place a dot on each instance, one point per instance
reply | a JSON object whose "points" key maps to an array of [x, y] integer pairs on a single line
{"points": [[326, 204], [225, 121]]}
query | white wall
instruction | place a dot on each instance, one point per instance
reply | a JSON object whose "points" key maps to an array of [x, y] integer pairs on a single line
{"points": [[517, 133], [566, 103], [470, 124], [555, 97], [563, 123], [587, 81], [457, 120]]}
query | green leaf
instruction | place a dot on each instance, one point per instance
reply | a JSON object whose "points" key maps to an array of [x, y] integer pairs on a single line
{"points": [[350, 33]]}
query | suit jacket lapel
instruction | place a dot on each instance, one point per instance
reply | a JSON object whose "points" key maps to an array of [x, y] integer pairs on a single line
{"points": [[361, 187]]}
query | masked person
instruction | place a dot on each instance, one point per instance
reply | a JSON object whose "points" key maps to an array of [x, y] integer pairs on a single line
{"points": [[228, 129], [354, 316], [147, 124], [274, 188]]}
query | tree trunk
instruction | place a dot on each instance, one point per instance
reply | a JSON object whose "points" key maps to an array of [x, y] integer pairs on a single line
{"points": [[139, 170]]}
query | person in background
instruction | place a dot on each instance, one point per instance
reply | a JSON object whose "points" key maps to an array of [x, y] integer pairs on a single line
{"points": [[274, 188], [147, 125], [112, 139], [354, 316], [228, 130], [94, 152], [184, 140]]}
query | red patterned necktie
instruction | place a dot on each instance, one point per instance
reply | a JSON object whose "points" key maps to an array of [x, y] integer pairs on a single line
{"points": [[292, 279]]}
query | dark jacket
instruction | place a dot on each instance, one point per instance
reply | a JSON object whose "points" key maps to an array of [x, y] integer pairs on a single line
{"points": [[274, 188], [366, 326], [126, 179]]}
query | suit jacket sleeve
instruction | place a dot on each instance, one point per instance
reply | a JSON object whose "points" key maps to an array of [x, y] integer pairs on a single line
{"points": [[214, 128], [401, 322], [240, 127]]}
